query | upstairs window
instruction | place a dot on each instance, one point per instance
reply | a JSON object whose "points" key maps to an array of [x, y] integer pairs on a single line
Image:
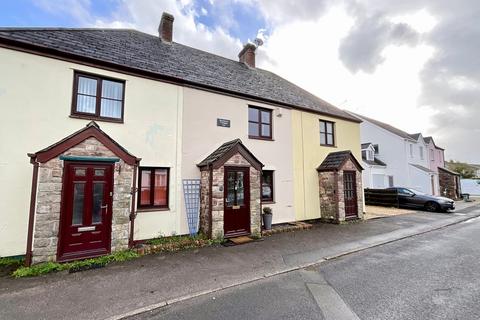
{"points": [[153, 188], [420, 149], [411, 151], [259, 123], [97, 97], [432, 155], [327, 133]]}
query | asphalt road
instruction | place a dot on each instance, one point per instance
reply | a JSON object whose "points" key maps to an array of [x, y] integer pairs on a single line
{"points": [[431, 276]]}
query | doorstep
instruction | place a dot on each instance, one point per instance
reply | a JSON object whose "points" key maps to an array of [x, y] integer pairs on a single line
{"points": [[287, 227]]}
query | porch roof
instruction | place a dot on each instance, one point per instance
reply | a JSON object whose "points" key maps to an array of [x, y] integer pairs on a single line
{"points": [[221, 155], [335, 161], [92, 129]]}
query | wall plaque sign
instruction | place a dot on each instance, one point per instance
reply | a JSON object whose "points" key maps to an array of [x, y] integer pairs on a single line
{"points": [[223, 123]]}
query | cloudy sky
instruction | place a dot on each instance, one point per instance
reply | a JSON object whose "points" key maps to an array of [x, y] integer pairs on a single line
{"points": [[414, 64]]}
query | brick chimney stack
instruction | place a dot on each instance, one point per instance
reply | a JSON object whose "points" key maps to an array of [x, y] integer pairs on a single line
{"points": [[165, 29], [247, 55]]}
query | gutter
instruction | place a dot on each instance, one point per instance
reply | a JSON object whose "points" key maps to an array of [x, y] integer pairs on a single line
{"points": [[92, 62], [31, 215]]}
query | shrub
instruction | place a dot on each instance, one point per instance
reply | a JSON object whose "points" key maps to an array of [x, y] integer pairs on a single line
{"points": [[267, 210]]}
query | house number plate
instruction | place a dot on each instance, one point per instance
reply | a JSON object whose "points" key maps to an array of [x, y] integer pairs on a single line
{"points": [[235, 207], [83, 229]]}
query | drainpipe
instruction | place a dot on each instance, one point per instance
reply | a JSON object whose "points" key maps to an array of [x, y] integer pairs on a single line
{"points": [[31, 216], [133, 214]]}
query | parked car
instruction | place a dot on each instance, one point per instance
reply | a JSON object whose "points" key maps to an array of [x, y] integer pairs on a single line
{"points": [[411, 198]]}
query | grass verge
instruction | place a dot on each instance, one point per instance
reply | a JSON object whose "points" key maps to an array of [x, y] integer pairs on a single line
{"points": [[48, 267]]}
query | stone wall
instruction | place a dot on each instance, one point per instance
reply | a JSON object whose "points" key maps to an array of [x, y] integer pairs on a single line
{"points": [[448, 185], [204, 224], [218, 198], [332, 196], [47, 215], [328, 195]]}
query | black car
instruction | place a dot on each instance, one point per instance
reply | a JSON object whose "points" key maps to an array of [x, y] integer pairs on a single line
{"points": [[411, 198]]}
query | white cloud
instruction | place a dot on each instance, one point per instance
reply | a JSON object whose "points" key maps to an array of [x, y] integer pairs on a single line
{"points": [[77, 9], [421, 21], [307, 54]]}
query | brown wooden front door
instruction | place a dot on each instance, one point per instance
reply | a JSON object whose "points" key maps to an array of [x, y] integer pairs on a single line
{"points": [[86, 213], [236, 217], [350, 194]]}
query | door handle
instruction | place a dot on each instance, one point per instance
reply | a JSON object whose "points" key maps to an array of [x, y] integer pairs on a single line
{"points": [[104, 207]]}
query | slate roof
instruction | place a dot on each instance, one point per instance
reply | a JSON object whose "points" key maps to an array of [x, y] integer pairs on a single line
{"points": [[335, 160], [145, 53], [449, 171], [387, 127], [415, 136], [375, 162], [365, 145], [422, 168], [430, 139]]}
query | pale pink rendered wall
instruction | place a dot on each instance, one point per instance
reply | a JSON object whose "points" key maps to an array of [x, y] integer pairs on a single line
{"points": [[438, 159]]}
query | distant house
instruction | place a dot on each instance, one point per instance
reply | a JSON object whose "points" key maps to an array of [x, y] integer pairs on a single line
{"points": [[393, 157], [375, 171], [449, 180]]}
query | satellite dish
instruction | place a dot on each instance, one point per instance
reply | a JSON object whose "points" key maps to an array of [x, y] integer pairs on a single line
{"points": [[258, 42]]}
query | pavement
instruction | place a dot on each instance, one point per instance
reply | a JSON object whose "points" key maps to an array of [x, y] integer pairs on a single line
{"points": [[151, 282], [434, 275]]}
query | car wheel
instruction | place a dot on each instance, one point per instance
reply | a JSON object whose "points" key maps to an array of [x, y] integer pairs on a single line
{"points": [[432, 207]]}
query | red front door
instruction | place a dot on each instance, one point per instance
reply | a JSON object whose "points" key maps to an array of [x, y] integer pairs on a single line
{"points": [[350, 194], [86, 213], [236, 216]]}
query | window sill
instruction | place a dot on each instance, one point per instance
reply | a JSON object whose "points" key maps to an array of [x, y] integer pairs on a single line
{"points": [[268, 202], [87, 117], [328, 145], [260, 138], [152, 209]]}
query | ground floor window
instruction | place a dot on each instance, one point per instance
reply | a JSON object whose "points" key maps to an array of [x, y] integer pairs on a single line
{"points": [[153, 187], [390, 181], [267, 185]]}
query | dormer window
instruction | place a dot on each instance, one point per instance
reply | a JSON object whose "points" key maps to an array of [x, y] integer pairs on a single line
{"points": [[96, 97], [370, 155]]}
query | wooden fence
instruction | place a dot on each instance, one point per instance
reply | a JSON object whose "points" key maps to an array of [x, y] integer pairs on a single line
{"points": [[381, 197]]}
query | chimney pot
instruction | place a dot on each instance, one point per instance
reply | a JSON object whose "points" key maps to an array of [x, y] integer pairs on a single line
{"points": [[165, 29], [247, 55]]}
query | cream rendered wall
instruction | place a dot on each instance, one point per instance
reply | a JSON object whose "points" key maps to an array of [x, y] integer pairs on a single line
{"points": [[308, 154], [35, 100], [201, 136]]}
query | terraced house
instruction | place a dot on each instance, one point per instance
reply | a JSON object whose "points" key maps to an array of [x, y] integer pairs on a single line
{"points": [[130, 136]]}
